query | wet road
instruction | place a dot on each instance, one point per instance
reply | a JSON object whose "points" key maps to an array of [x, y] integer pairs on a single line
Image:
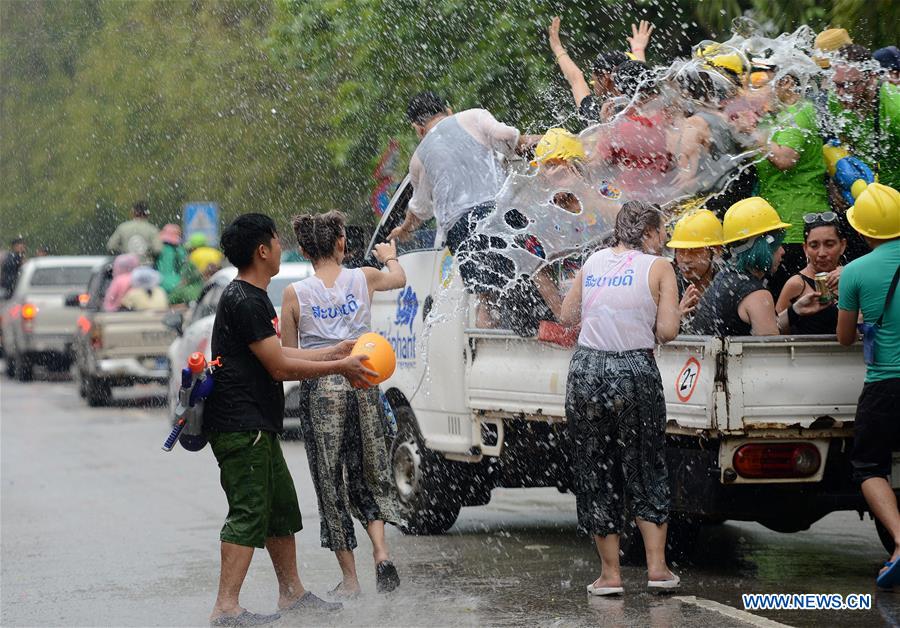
{"points": [[100, 527]]}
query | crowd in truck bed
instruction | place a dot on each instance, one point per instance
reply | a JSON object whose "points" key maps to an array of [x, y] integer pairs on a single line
{"points": [[798, 132]]}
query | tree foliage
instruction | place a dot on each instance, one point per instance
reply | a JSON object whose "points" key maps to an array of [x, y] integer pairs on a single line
{"points": [[285, 105]]}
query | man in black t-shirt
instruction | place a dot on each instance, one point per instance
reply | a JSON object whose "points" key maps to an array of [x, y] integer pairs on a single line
{"points": [[243, 416]]}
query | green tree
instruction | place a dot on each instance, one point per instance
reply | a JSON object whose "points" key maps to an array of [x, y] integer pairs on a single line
{"points": [[283, 106]]}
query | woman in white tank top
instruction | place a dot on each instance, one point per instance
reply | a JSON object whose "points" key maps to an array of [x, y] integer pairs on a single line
{"points": [[626, 299], [343, 426]]}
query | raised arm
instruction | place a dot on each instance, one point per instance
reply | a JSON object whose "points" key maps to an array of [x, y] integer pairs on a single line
{"points": [[572, 73], [640, 39], [394, 278], [419, 208]]}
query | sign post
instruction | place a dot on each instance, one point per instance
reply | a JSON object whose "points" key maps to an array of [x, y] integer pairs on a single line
{"points": [[202, 217]]}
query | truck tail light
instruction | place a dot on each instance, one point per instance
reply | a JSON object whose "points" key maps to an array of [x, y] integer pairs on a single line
{"points": [[777, 460], [96, 336], [84, 325], [83, 299], [29, 312]]}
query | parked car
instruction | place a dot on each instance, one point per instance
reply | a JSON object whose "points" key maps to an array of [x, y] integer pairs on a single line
{"points": [[37, 325], [194, 331], [117, 348]]}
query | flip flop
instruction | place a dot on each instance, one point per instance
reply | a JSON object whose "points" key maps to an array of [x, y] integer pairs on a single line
{"points": [[386, 577], [889, 577], [601, 591], [672, 583], [246, 618], [311, 602]]}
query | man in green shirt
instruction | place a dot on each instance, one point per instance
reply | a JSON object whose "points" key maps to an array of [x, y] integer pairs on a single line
{"points": [[865, 287], [137, 236], [792, 177], [864, 112]]}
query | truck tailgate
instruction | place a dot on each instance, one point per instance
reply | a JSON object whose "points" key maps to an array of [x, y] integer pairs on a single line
{"points": [[513, 375], [53, 318], [133, 334], [688, 367], [779, 382]]}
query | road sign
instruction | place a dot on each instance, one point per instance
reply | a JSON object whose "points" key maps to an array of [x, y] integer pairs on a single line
{"points": [[202, 217]]}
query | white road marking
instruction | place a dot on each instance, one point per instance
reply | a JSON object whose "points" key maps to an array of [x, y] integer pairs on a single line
{"points": [[730, 611]]}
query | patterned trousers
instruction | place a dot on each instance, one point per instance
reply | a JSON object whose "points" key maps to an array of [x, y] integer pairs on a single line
{"points": [[348, 458], [616, 415]]}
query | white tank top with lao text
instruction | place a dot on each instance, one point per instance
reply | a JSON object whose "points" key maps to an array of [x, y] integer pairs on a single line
{"points": [[618, 312], [330, 315]]}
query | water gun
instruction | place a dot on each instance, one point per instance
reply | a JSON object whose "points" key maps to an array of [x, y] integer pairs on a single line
{"points": [[850, 173], [196, 385]]}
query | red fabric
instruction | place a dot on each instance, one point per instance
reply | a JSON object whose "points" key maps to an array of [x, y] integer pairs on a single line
{"points": [[637, 148], [549, 331]]}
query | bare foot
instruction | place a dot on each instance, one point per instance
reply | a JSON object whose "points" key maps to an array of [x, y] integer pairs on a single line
{"points": [[894, 557], [657, 575], [607, 581], [346, 590]]}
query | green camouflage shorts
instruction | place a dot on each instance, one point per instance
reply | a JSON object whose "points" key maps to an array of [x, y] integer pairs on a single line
{"points": [[262, 501]]}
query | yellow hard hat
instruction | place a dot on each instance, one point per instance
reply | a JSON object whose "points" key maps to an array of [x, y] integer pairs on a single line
{"points": [[750, 217], [876, 213], [723, 57], [696, 230], [832, 39], [560, 145], [732, 62]]}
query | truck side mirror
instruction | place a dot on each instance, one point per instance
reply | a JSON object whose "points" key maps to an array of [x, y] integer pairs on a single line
{"points": [[76, 299], [174, 321]]}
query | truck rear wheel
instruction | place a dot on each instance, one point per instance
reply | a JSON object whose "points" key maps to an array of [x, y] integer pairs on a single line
{"points": [[97, 392], [423, 479], [24, 369], [10, 366]]}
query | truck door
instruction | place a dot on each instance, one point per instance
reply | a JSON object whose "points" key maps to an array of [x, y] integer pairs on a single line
{"points": [[399, 315]]}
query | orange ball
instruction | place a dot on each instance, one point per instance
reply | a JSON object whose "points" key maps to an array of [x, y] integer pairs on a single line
{"points": [[382, 358]]}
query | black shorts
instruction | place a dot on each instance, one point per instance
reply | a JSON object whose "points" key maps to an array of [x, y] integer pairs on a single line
{"points": [[484, 269], [877, 430]]}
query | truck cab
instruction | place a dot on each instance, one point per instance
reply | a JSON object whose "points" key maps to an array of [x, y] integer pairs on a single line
{"points": [[758, 428]]}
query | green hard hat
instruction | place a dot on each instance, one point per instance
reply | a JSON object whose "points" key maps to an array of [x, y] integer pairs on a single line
{"points": [[197, 240]]}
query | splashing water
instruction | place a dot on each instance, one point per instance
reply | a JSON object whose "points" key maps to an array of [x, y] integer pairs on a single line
{"points": [[683, 140]]}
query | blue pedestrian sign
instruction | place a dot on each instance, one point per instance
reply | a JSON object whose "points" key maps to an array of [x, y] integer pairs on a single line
{"points": [[202, 217]]}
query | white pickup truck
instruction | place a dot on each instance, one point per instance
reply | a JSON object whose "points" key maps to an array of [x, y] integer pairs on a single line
{"points": [[759, 429]]}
